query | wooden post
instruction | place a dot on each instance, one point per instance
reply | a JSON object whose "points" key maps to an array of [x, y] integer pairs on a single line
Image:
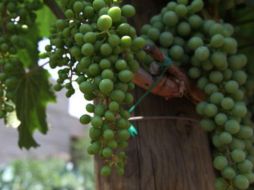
{"points": [[168, 154]]}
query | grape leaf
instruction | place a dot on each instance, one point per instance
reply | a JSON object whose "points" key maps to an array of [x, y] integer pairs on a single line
{"points": [[32, 96], [45, 19]]}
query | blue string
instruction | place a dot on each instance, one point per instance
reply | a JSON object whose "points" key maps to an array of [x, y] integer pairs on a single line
{"points": [[165, 65]]}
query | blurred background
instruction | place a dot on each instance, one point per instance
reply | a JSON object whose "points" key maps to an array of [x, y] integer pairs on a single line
{"points": [[61, 162]]}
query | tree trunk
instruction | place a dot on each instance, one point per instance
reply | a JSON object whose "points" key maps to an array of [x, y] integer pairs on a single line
{"points": [[168, 154]]}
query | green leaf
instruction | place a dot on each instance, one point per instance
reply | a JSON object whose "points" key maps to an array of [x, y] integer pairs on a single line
{"points": [[45, 19], [29, 55], [32, 96]]}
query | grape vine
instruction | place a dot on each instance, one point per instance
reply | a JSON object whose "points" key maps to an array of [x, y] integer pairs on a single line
{"points": [[207, 48], [96, 47]]}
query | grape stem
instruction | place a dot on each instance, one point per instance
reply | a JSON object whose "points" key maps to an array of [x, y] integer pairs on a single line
{"points": [[55, 8]]}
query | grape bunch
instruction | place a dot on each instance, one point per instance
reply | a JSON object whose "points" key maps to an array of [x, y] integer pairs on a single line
{"points": [[208, 51], [15, 21], [97, 48]]}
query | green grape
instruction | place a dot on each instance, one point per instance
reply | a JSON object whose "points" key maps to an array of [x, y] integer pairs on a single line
{"points": [[230, 45], [225, 138], [229, 173], [217, 41], [219, 60], [240, 77], [153, 33], [118, 96], [78, 7], [216, 97], [207, 124], [104, 23], [220, 162], [202, 53], [227, 103], [106, 86], [245, 166], [98, 4], [181, 10], [184, 29], [220, 119], [125, 76], [128, 11], [105, 171], [85, 119], [220, 184], [108, 134], [166, 39], [245, 132], [87, 49], [238, 155], [170, 18], [216, 77], [196, 6], [94, 133], [241, 182], [195, 42], [176, 52], [237, 61], [126, 41], [232, 126], [106, 49], [97, 121], [210, 110], [231, 86], [115, 13], [195, 21]]}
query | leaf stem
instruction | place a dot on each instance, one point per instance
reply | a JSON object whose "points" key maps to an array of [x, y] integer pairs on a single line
{"points": [[55, 8]]}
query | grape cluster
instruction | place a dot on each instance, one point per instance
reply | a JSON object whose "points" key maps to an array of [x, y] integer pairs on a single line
{"points": [[15, 21], [209, 52], [96, 47]]}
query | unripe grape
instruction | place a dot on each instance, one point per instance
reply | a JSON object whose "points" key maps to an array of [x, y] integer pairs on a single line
{"points": [[181, 10], [170, 18], [225, 138], [220, 119], [106, 49], [238, 155], [96, 122], [217, 41], [115, 13], [220, 162], [85, 119], [227, 103], [195, 21], [202, 53], [232, 126], [195, 42], [98, 4], [219, 60], [104, 23], [78, 6], [106, 86], [125, 76], [241, 182], [184, 29], [229, 173], [87, 49], [128, 11], [166, 39], [176, 52], [105, 171]]}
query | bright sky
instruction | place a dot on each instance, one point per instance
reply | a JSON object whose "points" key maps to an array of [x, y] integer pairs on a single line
{"points": [[76, 103]]}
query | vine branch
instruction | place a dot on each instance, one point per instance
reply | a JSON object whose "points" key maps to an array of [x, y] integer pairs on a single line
{"points": [[53, 6]]}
